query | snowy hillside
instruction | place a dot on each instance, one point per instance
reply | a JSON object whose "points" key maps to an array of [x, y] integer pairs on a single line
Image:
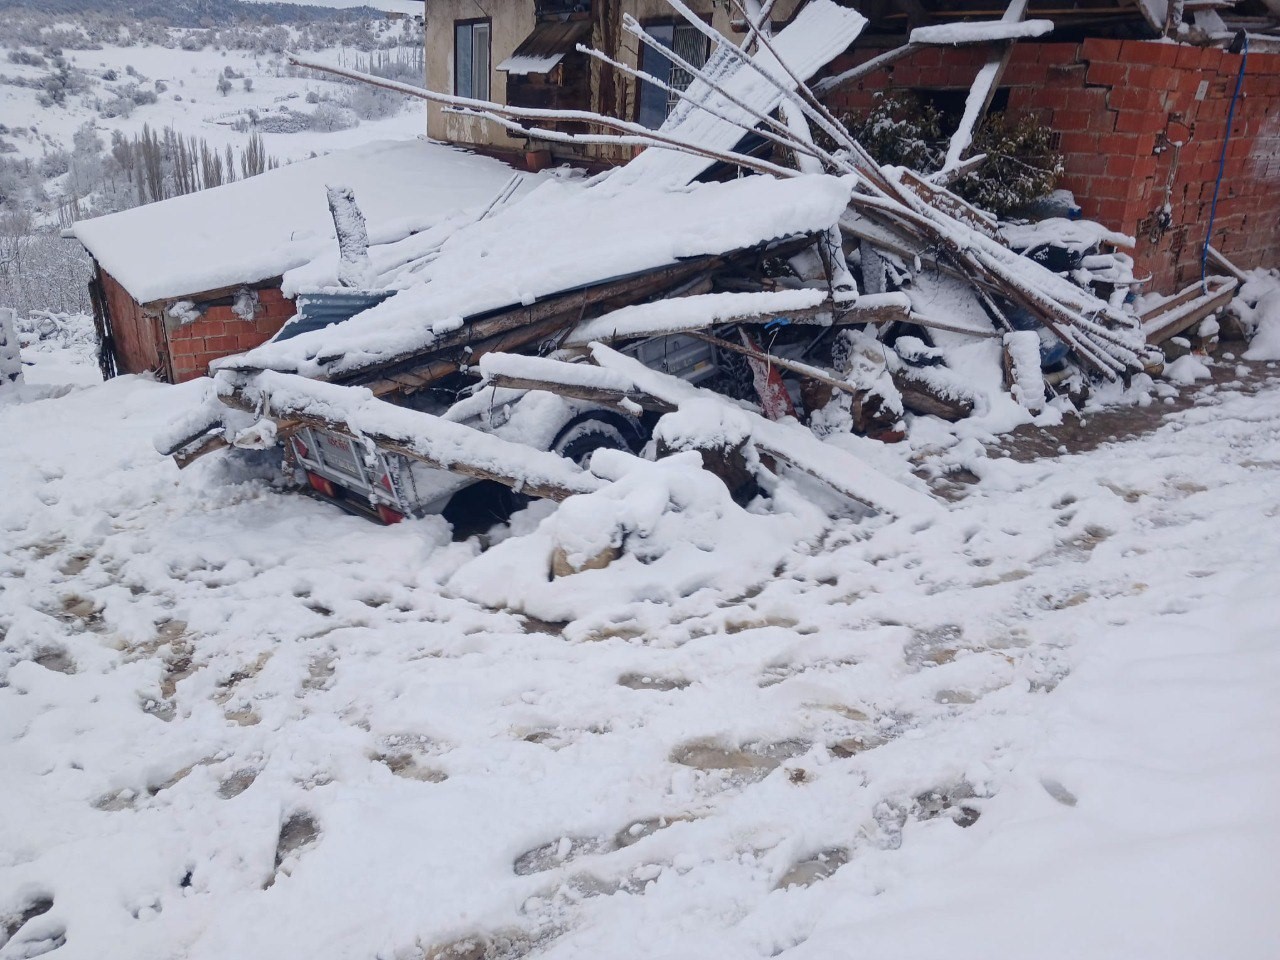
{"points": [[115, 77]]}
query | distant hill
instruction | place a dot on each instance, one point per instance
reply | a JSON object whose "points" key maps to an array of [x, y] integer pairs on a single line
{"points": [[195, 13]]}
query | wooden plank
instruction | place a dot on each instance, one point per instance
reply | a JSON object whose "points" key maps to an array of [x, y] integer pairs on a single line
{"points": [[799, 369], [1170, 323], [617, 399], [952, 205], [1219, 260], [853, 75]]}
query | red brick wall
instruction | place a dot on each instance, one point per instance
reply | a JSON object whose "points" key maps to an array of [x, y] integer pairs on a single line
{"points": [[137, 333], [220, 333], [1117, 106]]}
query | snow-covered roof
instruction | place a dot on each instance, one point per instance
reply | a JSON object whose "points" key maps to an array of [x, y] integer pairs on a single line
{"points": [[546, 46], [559, 237], [261, 227], [530, 64]]}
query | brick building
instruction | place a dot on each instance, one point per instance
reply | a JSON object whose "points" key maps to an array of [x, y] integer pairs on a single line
{"points": [[1140, 124], [180, 283]]}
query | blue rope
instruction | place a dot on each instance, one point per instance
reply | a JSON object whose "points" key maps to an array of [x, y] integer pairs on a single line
{"points": [[1222, 166]]}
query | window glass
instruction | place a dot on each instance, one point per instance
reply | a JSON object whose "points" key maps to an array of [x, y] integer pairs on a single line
{"points": [[462, 85], [690, 45], [480, 60]]}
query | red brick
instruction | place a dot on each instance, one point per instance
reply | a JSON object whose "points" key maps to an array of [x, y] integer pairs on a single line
{"points": [[216, 344], [1150, 52], [1085, 164], [1066, 121], [1095, 48], [1119, 165], [1187, 56], [1107, 72], [1132, 121]]}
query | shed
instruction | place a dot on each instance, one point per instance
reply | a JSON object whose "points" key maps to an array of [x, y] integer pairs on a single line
{"points": [[180, 283]]}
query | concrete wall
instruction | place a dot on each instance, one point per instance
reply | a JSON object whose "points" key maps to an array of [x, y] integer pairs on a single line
{"points": [[512, 20], [1118, 107]]}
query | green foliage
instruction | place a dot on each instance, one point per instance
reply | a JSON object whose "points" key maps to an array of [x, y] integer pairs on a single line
{"points": [[903, 130], [1021, 165]]}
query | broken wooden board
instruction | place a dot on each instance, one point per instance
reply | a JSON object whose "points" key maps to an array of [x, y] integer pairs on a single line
{"points": [[578, 381], [1187, 308], [984, 86]]}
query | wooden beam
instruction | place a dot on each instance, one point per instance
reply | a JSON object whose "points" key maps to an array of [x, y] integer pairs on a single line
{"points": [[760, 356], [617, 399], [1169, 321], [983, 89]]}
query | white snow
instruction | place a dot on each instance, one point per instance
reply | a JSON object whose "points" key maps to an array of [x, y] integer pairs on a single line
{"points": [[560, 236], [692, 313], [1080, 651], [1257, 303], [526, 63], [263, 226], [990, 31]]}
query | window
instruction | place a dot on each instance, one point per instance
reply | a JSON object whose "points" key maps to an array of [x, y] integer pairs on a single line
{"points": [[689, 45], [471, 59]]}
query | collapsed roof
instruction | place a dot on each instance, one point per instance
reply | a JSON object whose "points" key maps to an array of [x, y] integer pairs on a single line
{"points": [[263, 226]]}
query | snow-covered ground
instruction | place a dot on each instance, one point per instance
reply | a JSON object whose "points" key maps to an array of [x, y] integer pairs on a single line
{"points": [[237, 723]]}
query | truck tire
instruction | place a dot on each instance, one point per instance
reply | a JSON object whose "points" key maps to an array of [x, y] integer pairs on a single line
{"points": [[588, 432]]}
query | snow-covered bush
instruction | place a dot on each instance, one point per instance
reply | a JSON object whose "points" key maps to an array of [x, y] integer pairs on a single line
{"points": [[1021, 166], [329, 117], [901, 130]]}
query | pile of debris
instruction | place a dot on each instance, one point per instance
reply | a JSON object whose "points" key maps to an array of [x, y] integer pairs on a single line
{"points": [[709, 293]]}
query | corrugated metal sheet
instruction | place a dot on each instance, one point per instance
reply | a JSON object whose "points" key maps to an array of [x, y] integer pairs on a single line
{"points": [[546, 46], [319, 310]]}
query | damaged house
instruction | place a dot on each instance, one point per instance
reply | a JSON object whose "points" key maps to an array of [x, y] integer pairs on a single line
{"points": [[1139, 120], [179, 283]]}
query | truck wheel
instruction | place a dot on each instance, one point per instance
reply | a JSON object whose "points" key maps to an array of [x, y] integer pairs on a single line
{"points": [[589, 432]]}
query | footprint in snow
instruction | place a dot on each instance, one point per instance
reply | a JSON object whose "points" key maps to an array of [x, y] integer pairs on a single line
{"points": [[55, 659], [644, 681], [556, 853], [29, 935], [811, 870], [297, 834], [745, 764]]}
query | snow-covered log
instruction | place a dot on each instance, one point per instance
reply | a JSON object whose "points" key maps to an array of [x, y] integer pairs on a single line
{"points": [[354, 268], [1022, 370], [704, 311]]}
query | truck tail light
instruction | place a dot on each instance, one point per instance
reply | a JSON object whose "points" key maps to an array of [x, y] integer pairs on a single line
{"points": [[387, 515], [320, 484]]}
